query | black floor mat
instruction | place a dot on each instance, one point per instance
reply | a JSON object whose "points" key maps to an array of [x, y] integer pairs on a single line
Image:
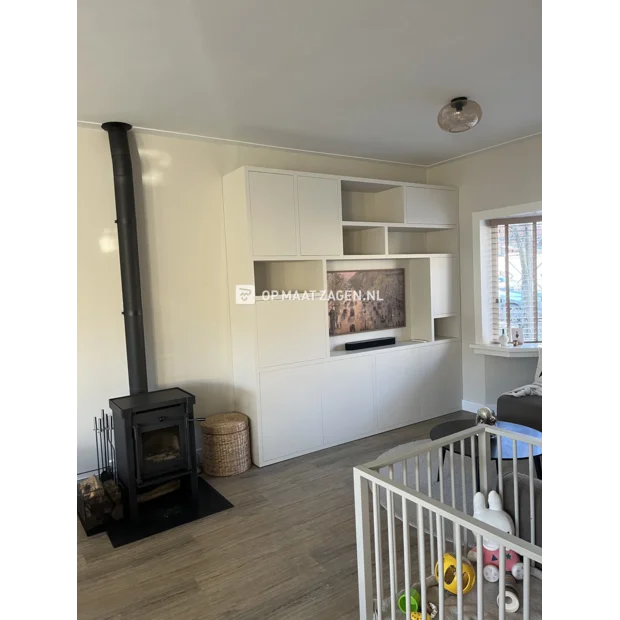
{"points": [[166, 512]]}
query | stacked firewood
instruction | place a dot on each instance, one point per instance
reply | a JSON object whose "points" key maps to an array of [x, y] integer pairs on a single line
{"points": [[98, 501]]}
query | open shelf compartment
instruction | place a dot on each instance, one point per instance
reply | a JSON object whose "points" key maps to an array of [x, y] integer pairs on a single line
{"points": [[409, 240], [362, 239], [372, 202], [447, 327], [288, 275]]}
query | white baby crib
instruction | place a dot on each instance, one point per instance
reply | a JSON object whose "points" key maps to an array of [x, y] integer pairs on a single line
{"points": [[422, 499]]}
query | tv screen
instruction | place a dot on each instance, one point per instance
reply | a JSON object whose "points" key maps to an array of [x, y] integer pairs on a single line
{"points": [[365, 300]]}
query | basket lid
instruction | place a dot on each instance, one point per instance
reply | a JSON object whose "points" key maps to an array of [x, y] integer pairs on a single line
{"points": [[225, 423]]}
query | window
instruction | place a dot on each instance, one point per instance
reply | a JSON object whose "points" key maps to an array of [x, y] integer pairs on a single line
{"points": [[516, 276]]}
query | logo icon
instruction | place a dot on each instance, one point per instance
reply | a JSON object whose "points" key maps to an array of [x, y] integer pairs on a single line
{"points": [[245, 294]]}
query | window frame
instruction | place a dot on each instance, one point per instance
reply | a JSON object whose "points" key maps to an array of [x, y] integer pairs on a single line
{"points": [[481, 233], [494, 275]]}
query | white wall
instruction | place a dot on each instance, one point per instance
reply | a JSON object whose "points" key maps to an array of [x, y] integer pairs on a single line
{"points": [[500, 177], [182, 254]]}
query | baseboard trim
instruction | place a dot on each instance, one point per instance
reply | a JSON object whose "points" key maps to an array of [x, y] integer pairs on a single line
{"points": [[472, 407], [468, 405]]}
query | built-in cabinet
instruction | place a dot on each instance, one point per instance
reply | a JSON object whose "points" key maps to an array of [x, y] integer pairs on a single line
{"points": [[444, 286], [348, 399], [354, 397], [272, 207], [300, 388], [435, 206], [286, 331], [319, 216], [290, 405]]}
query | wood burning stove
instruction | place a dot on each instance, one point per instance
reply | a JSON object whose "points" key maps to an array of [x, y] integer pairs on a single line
{"points": [[153, 431], [155, 443]]}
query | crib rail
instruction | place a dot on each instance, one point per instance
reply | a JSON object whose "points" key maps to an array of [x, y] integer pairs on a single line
{"points": [[422, 513]]}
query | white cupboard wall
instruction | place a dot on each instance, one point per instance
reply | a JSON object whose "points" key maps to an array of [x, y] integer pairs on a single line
{"points": [[431, 206], [301, 390], [348, 399], [290, 399], [272, 202], [444, 286], [287, 331], [319, 216]]}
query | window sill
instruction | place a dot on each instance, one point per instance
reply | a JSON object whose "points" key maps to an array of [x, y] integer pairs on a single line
{"points": [[497, 350]]}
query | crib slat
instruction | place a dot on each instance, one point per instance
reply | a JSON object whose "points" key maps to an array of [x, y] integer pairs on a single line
{"points": [[515, 486], [422, 562], [391, 545], [530, 459], [452, 487], [406, 546], [479, 578], [376, 515], [484, 452], [440, 579], [362, 538], [440, 455], [459, 572], [526, 588], [441, 494], [419, 522], [500, 466], [430, 516], [463, 504], [474, 488], [502, 582]]}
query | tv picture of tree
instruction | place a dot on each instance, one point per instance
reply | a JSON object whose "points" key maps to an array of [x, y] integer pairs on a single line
{"points": [[365, 300]]}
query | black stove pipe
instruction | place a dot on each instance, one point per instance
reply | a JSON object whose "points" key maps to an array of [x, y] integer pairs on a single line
{"points": [[128, 252]]}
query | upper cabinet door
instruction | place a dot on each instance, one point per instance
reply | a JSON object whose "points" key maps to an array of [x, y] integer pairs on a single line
{"points": [[272, 207], [319, 202], [431, 206]]}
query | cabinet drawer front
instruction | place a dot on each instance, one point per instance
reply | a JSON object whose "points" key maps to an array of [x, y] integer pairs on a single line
{"points": [[320, 232], [431, 206], [272, 206], [290, 331], [291, 417], [348, 399]]}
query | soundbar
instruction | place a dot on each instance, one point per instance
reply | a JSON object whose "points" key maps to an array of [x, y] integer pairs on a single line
{"points": [[369, 344]]}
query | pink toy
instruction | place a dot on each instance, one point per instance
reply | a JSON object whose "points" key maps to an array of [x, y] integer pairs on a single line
{"points": [[490, 558], [494, 515]]}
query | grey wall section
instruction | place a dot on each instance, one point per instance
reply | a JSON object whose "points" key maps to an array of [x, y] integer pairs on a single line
{"points": [[500, 177]]}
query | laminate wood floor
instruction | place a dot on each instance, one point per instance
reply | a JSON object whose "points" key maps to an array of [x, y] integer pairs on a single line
{"points": [[285, 551]]}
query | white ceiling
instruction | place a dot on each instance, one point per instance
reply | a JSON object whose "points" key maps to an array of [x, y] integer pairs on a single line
{"points": [[353, 77]]}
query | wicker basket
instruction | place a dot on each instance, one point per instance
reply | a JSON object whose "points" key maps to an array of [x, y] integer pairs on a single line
{"points": [[226, 444]]}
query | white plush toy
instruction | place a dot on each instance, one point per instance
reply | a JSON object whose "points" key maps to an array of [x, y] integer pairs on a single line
{"points": [[495, 516]]}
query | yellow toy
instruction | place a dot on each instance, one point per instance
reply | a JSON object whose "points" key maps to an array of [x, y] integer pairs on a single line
{"points": [[449, 574], [417, 615]]}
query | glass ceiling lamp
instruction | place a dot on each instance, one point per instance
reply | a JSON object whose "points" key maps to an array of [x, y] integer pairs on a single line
{"points": [[459, 115]]}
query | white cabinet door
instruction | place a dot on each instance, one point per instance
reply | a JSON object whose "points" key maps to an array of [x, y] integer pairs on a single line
{"points": [[320, 232], [348, 399], [431, 206], [272, 208], [290, 331], [444, 286], [400, 388], [291, 411], [443, 391]]}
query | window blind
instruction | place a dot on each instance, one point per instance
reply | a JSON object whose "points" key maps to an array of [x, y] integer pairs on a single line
{"points": [[515, 257]]}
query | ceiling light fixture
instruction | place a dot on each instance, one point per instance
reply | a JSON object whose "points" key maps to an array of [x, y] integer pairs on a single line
{"points": [[459, 115]]}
